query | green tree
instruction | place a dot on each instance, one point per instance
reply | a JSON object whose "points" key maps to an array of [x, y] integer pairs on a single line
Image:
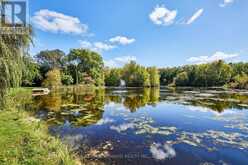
{"points": [[87, 62], [154, 76], [239, 68], [112, 77], [31, 72], [66, 79], [53, 79], [240, 81], [51, 58], [182, 79], [12, 49], [167, 75], [218, 73], [135, 75]]}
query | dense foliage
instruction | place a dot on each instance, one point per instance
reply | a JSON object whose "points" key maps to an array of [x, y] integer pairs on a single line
{"points": [[112, 77], [51, 58], [80, 66], [154, 76], [12, 50], [240, 81], [87, 65], [133, 75], [213, 74], [31, 72], [53, 78]]}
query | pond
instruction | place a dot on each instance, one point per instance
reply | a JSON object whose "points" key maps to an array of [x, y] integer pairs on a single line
{"points": [[149, 126]]}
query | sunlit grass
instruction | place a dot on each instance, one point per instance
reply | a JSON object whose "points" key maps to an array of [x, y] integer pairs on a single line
{"points": [[24, 140]]}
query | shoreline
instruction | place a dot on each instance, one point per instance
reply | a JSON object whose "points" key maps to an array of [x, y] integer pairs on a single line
{"points": [[26, 139]]}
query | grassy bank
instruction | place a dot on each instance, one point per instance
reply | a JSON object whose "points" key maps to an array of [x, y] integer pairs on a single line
{"points": [[24, 139]]}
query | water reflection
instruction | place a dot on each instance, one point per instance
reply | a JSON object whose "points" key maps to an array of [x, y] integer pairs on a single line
{"points": [[79, 108], [149, 126], [134, 99], [85, 107], [217, 100]]}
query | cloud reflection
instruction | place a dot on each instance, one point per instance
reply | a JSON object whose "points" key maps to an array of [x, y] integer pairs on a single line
{"points": [[161, 152]]}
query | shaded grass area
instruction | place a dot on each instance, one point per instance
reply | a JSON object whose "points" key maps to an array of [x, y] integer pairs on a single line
{"points": [[24, 139]]}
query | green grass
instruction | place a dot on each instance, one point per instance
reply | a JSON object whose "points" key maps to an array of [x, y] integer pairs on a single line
{"points": [[24, 140]]}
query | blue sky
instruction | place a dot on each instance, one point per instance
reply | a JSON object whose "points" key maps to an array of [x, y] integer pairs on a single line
{"points": [[152, 32]]}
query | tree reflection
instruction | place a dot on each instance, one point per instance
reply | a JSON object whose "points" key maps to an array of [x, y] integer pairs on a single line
{"points": [[81, 108], [216, 100], [136, 98]]}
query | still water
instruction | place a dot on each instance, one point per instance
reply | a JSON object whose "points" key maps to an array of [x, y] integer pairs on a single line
{"points": [[150, 126]]}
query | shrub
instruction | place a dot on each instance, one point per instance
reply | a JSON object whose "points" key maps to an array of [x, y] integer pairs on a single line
{"points": [[53, 79], [240, 81]]}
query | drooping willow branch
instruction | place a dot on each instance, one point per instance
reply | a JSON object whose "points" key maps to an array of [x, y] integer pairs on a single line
{"points": [[12, 48]]}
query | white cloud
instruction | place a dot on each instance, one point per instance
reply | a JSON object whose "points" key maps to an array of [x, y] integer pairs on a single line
{"points": [[215, 57], [96, 46], [108, 45], [119, 61], [57, 22], [195, 16], [163, 16], [226, 2], [85, 44], [122, 40], [161, 152], [103, 46]]}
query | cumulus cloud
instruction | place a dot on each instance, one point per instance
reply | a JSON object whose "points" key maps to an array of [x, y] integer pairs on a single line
{"points": [[161, 152], [122, 40], [119, 61], [195, 16], [163, 16], [103, 46], [107, 45], [215, 57], [96, 46], [226, 2], [55, 22]]}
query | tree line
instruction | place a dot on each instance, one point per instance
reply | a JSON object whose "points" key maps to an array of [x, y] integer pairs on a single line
{"points": [[215, 74], [133, 74], [54, 68], [81, 66]]}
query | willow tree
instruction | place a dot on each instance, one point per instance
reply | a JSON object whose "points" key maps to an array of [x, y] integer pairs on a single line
{"points": [[12, 48]]}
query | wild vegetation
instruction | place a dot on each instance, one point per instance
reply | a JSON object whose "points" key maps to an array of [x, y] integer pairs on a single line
{"points": [[24, 139], [216, 74], [134, 75], [82, 66], [12, 48]]}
